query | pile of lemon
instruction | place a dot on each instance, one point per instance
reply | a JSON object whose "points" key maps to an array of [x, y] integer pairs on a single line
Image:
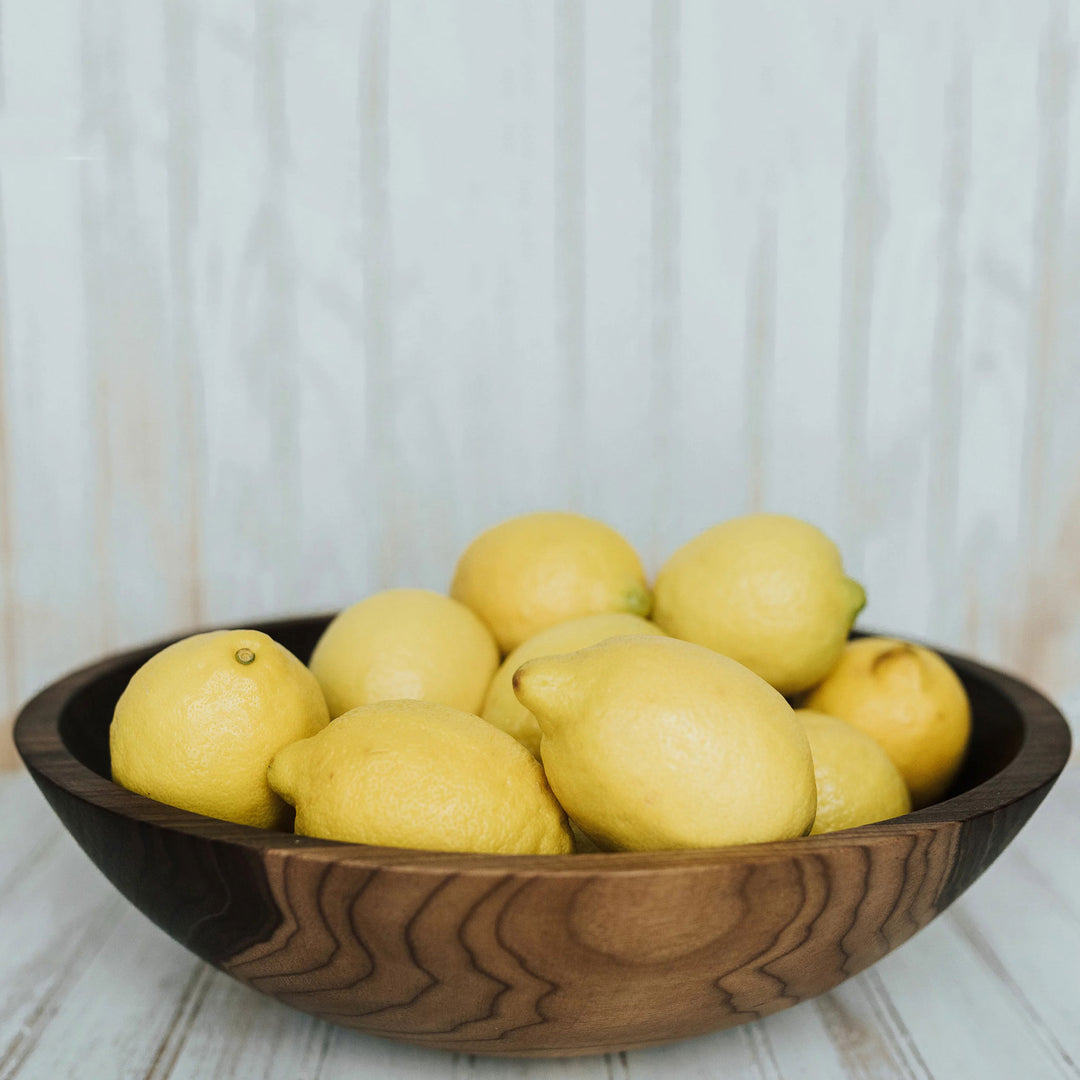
{"points": [[738, 712]]}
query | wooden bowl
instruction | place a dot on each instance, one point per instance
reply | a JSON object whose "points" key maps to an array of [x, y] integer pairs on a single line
{"points": [[535, 955]]}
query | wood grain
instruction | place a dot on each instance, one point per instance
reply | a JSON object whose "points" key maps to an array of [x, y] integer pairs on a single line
{"points": [[533, 955], [889, 1023], [8, 594]]}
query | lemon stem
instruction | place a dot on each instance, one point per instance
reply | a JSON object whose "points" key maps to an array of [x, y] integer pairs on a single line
{"points": [[638, 600], [245, 656]]}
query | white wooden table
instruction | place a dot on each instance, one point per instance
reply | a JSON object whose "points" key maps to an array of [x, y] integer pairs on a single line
{"points": [[89, 988]]}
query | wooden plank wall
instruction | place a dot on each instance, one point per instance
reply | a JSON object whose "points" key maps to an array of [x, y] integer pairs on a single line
{"points": [[295, 298]]}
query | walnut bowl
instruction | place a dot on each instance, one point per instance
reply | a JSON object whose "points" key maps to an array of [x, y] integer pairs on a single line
{"points": [[537, 955]]}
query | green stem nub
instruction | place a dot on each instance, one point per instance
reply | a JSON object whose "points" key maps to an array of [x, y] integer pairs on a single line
{"points": [[638, 600], [245, 656]]}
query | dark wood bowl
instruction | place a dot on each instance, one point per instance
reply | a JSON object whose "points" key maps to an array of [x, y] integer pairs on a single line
{"points": [[535, 955]]}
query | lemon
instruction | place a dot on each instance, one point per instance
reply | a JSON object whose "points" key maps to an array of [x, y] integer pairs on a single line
{"points": [[857, 783], [766, 590], [534, 571], [651, 743], [501, 706], [420, 775], [909, 700], [199, 722], [405, 643]]}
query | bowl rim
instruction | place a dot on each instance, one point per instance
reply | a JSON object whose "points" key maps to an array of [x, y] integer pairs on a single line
{"points": [[1044, 751]]}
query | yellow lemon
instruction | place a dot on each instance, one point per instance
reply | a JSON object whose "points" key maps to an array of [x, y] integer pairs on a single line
{"points": [[419, 775], [199, 722], [501, 706], [766, 590], [651, 743], [909, 700], [537, 570], [405, 643], [857, 783]]}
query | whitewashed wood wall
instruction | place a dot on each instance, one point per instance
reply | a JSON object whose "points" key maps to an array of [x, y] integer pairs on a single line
{"points": [[296, 297]]}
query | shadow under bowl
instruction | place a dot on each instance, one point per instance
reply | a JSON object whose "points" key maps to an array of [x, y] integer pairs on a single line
{"points": [[537, 955]]}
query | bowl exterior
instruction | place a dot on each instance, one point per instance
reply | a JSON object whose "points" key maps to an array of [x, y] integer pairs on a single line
{"points": [[534, 956], [491, 961]]}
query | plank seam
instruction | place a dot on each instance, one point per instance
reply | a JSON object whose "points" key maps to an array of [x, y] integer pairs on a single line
{"points": [[895, 1029], [87, 946], [861, 238], [761, 1049], [9, 624], [966, 926], [569, 226], [180, 1023], [664, 249], [14, 874], [324, 1046], [844, 1036], [376, 264]]}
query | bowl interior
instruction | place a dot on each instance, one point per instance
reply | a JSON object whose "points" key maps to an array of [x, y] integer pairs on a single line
{"points": [[997, 729]]}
